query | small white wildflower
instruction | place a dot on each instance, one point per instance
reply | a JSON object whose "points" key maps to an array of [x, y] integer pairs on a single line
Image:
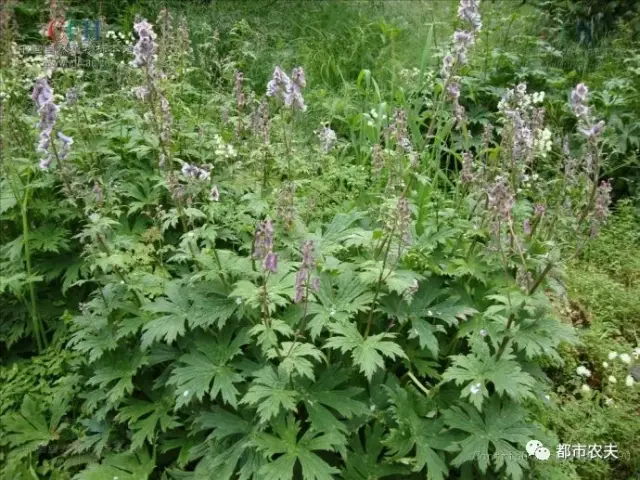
{"points": [[612, 355], [605, 365], [629, 381], [612, 379], [475, 388], [583, 371], [608, 402], [238, 301], [537, 97], [185, 393], [625, 358], [547, 397], [585, 388], [636, 353], [483, 332]]}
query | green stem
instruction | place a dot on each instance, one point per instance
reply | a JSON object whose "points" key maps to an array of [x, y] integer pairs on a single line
{"points": [[41, 340]]}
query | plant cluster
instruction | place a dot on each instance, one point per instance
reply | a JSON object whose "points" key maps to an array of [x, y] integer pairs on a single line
{"points": [[241, 296]]}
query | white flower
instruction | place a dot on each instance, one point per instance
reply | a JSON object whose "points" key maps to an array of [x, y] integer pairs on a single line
{"points": [[585, 388], [583, 371], [185, 393], [547, 397], [608, 402], [537, 97], [636, 353], [612, 355], [475, 388], [629, 381], [612, 379], [605, 365], [625, 358]]}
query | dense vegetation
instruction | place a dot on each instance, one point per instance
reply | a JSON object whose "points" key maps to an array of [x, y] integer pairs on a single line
{"points": [[319, 240]]}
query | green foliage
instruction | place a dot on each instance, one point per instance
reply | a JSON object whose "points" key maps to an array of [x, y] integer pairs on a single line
{"points": [[207, 290]]}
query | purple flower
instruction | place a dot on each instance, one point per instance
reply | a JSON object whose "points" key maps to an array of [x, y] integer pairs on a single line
{"points": [[288, 90], [97, 191], [298, 77], [303, 276], [279, 84], [468, 10], [270, 262], [403, 217], [145, 49], [526, 226], [466, 174], [66, 145], [461, 42], [263, 241], [215, 194], [377, 160], [327, 139], [593, 131], [240, 97], [501, 200], [45, 162], [42, 92]]}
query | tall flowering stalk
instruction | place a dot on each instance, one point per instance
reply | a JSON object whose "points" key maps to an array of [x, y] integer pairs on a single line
{"points": [[591, 130], [304, 279], [288, 90], [145, 53], [263, 250], [468, 11], [240, 101], [263, 246], [42, 95]]}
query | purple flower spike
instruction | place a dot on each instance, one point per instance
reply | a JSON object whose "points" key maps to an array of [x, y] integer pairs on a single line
{"points": [[271, 262]]}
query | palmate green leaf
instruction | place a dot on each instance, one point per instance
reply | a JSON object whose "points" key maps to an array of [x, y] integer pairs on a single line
{"points": [[93, 333], [290, 450], [270, 391], [210, 370], [7, 198], [481, 368], [279, 289], [327, 404], [367, 353], [296, 358], [400, 280], [28, 429], [118, 367], [144, 419], [364, 459], [415, 434], [183, 305], [123, 466], [339, 302], [95, 438], [541, 335], [267, 333], [492, 436], [337, 233], [227, 446], [450, 311]]}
